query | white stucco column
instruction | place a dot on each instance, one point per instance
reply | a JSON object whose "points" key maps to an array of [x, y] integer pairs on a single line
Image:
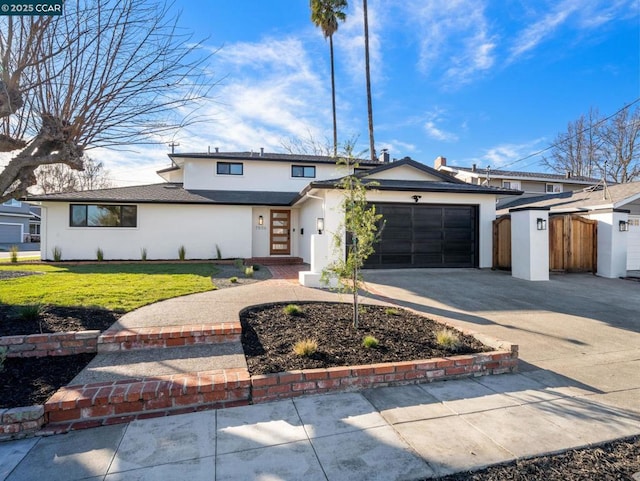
{"points": [[322, 246], [530, 244], [612, 242]]}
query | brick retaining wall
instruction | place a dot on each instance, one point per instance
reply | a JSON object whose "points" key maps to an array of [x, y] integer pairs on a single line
{"points": [[54, 344], [271, 387]]}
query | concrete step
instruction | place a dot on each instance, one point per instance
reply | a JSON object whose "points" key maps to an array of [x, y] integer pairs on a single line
{"points": [[124, 339]]}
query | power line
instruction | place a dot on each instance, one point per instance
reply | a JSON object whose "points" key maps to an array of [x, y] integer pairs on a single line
{"points": [[580, 132]]}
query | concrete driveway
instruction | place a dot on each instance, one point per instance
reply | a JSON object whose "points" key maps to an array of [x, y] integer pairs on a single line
{"points": [[582, 327]]}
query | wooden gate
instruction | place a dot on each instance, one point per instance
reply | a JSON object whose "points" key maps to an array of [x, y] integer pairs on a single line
{"points": [[502, 243], [573, 243]]}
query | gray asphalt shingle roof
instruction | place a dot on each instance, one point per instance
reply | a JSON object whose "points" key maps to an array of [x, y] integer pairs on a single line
{"points": [[424, 186], [268, 156], [527, 175], [172, 193]]}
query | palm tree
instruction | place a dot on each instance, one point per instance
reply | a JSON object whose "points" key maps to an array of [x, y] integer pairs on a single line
{"points": [[372, 147], [326, 14]]}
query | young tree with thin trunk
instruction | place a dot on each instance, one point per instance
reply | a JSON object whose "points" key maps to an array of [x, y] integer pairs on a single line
{"points": [[372, 146], [104, 73], [361, 224], [327, 14]]}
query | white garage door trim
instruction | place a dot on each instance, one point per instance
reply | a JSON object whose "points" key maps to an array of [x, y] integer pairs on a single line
{"points": [[633, 243]]}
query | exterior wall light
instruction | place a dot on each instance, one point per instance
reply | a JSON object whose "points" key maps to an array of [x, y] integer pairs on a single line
{"points": [[416, 198], [260, 220], [320, 224], [541, 223], [623, 226]]}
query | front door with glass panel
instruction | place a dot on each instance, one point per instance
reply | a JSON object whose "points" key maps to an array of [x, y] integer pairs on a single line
{"points": [[280, 232]]}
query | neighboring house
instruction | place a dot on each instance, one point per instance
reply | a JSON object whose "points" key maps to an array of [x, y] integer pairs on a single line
{"points": [[34, 223], [530, 183], [14, 222], [623, 200], [260, 205]]}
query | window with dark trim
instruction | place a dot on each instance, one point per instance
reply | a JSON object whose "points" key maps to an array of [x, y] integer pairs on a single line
{"points": [[303, 171], [99, 215], [229, 168]]}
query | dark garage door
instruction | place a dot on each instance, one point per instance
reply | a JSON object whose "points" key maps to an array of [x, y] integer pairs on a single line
{"points": [[427, 236]]}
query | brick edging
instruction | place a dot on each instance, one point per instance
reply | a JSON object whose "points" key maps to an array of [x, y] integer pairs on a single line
{"points": [[52, 344], [21, 422], [272, 387]]}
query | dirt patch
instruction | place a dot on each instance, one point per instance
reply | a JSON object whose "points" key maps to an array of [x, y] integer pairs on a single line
{"points": [[269, 334], [615, 461], [20, 320], [26, 381], [222, 278]]}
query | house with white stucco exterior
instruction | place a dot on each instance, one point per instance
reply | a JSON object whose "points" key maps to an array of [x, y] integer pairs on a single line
{"points": [[257, 205]]}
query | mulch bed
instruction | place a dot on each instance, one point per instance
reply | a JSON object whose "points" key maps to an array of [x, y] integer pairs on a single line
{"points": [[615, 461], [26, 381], [269, 334], [54, 319]]}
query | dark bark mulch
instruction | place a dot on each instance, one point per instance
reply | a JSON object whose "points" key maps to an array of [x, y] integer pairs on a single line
{"points": [[27, 381], [14, 321], [30, 380], [269, 334], [614, 461]]}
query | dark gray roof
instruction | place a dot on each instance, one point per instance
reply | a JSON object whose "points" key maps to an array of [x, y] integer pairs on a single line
{"points": [[267, 156], [422, 186], [529, 175], [416, 165], [173, 193]]}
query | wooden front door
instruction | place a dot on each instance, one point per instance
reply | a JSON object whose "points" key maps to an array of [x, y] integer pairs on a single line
{"points": [[280, 228]]}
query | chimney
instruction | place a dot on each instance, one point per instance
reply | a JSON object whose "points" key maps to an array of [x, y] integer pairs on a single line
{"points": [[385, 156], [568, 174], [440, 162], [216, 150], [474, 168], [261, 151]]}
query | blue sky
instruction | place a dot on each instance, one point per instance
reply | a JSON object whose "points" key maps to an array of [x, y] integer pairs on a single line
{"points": [[476, 81]]}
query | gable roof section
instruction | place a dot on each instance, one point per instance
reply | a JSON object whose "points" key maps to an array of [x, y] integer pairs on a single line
{"points": [[513, 174], [171, 193], [615, 196], [407, 161]]}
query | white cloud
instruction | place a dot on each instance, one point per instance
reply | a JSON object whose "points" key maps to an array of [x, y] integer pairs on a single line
{"points": [[434, 130], [454, 38], [505, 155]]}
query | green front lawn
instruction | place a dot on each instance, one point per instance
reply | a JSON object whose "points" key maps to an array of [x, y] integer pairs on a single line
{"points": [[112, 286]]}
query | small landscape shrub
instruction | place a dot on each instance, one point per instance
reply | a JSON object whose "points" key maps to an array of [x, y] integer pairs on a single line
{"points": [[57, 254], [256, 267], [143, 254], [448, 338], [99, 255], [30, 312], [370, 342], [233, 279], [14, 253], [182, 253], [305, 348], [292, 310], [218, 252], [390, 311], [3, 356], [248, 271], [239, 263]]}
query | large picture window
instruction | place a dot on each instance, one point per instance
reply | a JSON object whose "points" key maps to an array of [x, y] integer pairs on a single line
{"points": [[97, 215], [229, 168], [303, 171]]}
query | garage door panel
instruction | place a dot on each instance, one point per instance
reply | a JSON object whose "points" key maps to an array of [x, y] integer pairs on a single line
{"points": [[426, 236]]}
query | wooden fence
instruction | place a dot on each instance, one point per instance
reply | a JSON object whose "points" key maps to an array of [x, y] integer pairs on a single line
{"points": [[573, 243]]}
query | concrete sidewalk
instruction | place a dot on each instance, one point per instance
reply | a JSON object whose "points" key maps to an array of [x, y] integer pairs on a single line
{"points": [[395, 433]]}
